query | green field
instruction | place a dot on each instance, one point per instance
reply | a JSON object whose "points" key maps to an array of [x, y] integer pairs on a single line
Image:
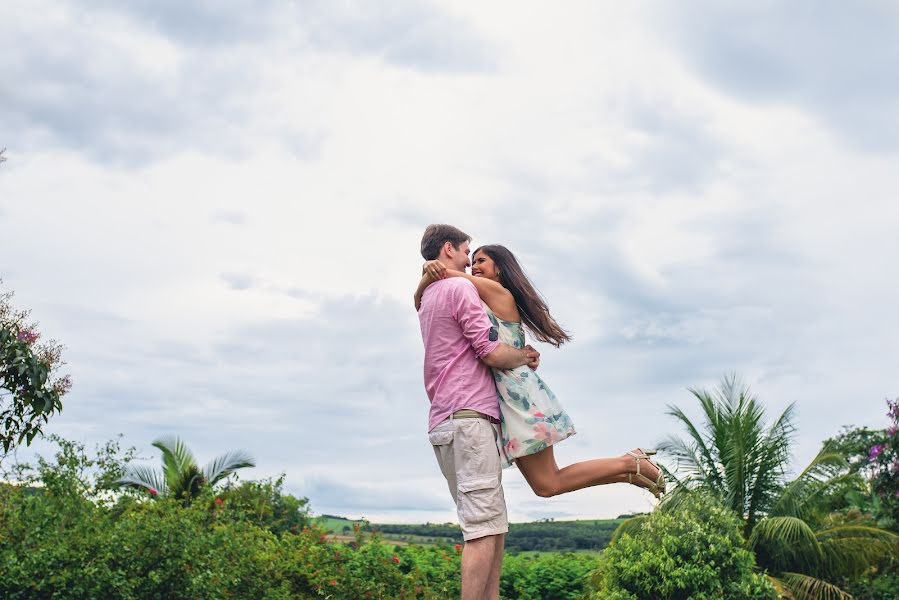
{"points": [[536, 537]]}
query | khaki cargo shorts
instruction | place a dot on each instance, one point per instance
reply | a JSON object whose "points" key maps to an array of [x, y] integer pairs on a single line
{"points": [[469, 459]]}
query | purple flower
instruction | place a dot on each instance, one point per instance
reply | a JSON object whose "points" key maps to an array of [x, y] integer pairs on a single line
{"points": [[875, 451], [26, 336]]}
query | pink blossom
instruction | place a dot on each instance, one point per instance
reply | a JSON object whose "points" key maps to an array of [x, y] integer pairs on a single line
{"points": [[218, 501], [26, 336], [539, 414], [875, 451], [152, 491], [513, 446], [395, 559]]}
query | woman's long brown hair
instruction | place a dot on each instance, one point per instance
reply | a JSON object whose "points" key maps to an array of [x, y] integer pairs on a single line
{"points": [[531, 305]]}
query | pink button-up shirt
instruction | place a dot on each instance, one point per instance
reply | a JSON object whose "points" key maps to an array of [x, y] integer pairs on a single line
{"points": [[456, 333]]}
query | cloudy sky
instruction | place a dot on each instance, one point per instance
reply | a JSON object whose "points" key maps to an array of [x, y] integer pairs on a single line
{"points": [[217, 208]]}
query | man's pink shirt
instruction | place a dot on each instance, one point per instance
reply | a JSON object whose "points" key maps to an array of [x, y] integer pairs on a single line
{"points": [[456, 334]]}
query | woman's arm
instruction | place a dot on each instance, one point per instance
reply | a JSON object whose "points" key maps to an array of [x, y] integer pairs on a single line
{"points": [[426, 280], [494, 295]]}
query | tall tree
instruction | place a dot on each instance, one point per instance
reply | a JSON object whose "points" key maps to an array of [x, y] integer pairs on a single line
{"points": [[180, 476]]}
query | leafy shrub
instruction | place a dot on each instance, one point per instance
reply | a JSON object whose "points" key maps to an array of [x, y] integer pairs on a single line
{"points": [[67, 532], [31, 389], [883, 457], [695, 552], [553, 576], [264, 504]]}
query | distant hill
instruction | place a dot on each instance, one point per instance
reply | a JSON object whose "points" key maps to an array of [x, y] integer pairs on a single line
{"points": [[547, 535]]}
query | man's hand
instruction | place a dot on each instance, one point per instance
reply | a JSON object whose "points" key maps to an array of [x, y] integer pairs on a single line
{"points": [[434, 269], [533, 357]]}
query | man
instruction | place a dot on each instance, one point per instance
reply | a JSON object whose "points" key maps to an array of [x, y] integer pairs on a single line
{"points": [[463, 423]]}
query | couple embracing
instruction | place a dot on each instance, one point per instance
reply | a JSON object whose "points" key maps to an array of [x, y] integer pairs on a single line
{"points": [[489, 408]]}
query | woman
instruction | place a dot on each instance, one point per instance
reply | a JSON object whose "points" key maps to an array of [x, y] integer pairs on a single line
{"points": [[532, 418]]}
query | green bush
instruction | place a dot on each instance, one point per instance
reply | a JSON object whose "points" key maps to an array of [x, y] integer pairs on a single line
{"points": [[552, 576], [66, 532], [264, 504], [695, 552]]}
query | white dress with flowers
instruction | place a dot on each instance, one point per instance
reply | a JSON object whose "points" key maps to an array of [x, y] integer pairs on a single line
{"points": [[532, 419]]}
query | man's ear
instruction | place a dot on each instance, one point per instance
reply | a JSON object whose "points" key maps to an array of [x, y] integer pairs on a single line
{"points": [[448, 248]]}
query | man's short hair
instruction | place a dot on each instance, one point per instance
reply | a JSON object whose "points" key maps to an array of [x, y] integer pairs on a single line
{"points": [[436, 235]]}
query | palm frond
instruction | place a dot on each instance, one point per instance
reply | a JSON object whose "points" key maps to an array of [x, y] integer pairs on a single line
{"points": [[850, 550], [144, 477], [176, 458], [686, 460], [224, 465], [780, 586], [697, 457], [770, 454], [816, 478], [785, 543], [806, 587]]}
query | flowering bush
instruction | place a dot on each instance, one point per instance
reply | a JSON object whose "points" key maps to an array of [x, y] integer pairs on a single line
{"points": [[30, 390], [883, 458]]}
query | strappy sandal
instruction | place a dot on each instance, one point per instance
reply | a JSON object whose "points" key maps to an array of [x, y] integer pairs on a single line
{"points": [[657, 487]]}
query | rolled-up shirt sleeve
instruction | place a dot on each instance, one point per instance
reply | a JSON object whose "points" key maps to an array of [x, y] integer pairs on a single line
{"points": [[472, 318]]}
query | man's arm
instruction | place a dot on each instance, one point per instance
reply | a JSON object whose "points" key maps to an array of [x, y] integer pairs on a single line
{"points": [[476, 328], [507, 357]]}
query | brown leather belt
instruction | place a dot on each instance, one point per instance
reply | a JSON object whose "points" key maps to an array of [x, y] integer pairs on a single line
{"points": [[467, 413]]}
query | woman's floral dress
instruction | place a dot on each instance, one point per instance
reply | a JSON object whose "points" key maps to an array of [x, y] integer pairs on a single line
{"points": [[532, 419]]}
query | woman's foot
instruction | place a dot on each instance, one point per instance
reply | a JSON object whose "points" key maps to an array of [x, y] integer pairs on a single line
{"points": [[645, 473]]}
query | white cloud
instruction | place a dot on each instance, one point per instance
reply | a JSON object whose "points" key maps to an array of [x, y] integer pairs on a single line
{"points": [[222, 225]]}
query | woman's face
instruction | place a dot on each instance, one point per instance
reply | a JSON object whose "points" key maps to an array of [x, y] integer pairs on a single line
{"points": [[483, 266]]}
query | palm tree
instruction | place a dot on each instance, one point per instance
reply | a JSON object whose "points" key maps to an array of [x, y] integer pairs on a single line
{"points": [[180, 476], [743, 463]]}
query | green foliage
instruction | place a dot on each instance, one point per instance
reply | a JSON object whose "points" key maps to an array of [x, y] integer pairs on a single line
{"points": [[883, 460], [30, 390], [552, 576], [694, 551], [64, 534], [264, 504], [881, 583], [68, 531], [733, 455], [180, 477], [869, 486], [789, 525]]}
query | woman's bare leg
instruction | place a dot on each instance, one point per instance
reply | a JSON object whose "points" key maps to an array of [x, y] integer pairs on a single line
{"points": [[546, 479]]}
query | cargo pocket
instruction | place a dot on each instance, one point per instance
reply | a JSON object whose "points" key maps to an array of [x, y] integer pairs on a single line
{"points": [[440, 438], [479, 500]]}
